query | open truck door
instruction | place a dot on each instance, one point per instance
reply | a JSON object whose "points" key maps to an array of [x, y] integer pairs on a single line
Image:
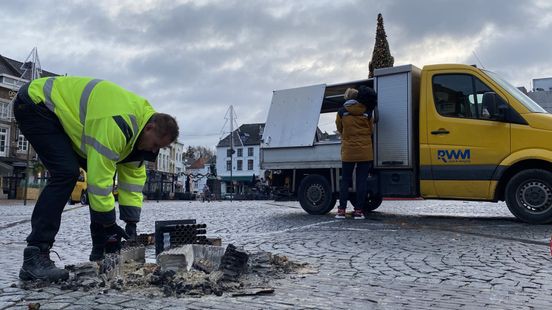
{"points": [[289, 138], [293, 117]]}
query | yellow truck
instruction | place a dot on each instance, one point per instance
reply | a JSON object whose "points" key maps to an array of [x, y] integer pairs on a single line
{"points": [[446, 131], [79, 193]]}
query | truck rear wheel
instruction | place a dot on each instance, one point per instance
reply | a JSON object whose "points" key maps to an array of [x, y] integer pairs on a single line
{"points": [[315, 195], [371, 204], [529, 196]]}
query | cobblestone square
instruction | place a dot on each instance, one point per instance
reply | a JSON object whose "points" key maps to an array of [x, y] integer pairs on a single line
{"points": [[407, 255]]}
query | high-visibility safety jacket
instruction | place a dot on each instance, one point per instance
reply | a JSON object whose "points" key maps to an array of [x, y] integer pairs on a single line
{"points": [[103, 122]]}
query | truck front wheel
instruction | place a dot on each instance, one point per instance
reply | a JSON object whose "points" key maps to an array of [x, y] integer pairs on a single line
{"points": [[315, 195], [529, 196], [84, 198]]}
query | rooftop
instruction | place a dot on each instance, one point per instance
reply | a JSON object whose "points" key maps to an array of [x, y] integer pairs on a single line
{"points": [[16, 68], [246, 134]]}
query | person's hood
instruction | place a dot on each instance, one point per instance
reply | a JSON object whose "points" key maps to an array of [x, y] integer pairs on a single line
{"points": [[354, 107]]}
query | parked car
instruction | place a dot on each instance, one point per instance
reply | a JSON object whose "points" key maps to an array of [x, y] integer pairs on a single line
{"points": [[80, 193]]}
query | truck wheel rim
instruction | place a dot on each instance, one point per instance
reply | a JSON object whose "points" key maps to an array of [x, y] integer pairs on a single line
{"points": [[535, 196], [315, 194]]}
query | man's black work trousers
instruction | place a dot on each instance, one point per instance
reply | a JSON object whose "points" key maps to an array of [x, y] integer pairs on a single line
{"points": [[43, 130]]}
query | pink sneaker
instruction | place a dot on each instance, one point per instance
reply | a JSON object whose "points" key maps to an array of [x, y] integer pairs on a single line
{"points": [[340, 214], [358, 214]]}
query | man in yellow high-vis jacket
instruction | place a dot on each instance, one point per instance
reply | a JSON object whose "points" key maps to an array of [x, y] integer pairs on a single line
{"points": [[95, 124]]}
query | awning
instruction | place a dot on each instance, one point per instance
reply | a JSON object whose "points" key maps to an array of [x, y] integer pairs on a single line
{"points": [[237, 178], [5, 169]]}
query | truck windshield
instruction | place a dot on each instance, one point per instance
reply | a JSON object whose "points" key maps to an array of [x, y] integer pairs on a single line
{"points": [[518, 94]]}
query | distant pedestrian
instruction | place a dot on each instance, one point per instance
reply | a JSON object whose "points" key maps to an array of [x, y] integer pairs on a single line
{"points": [[354, 123], [206, 193]]}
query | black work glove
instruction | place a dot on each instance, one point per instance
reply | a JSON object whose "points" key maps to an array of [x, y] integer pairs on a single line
{"points": [[130, 229], [114, 235]]}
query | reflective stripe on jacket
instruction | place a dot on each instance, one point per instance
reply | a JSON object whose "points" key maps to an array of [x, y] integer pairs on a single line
{"points": [[103, 122]]}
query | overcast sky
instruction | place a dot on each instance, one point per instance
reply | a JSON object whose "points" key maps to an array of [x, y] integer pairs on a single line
{"points": [[194, 59]]}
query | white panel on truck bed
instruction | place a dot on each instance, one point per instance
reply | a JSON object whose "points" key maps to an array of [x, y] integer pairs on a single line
{"points": [[321, 155], [293, 117], [393, 143]]}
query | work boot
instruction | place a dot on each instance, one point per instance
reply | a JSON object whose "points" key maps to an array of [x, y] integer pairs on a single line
{"points": [[105, 240], [38, 265], [97, 253], [99, 239]]}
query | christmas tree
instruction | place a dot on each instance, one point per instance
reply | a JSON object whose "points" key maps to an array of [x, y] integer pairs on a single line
{"points": [[381, 56]]}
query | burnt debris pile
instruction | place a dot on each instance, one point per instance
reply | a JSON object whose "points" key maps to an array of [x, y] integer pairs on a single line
{"points": [[187, 263]]}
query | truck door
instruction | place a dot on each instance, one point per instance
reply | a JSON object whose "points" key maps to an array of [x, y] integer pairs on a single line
{"points": [[466, 139], [293, 117]]}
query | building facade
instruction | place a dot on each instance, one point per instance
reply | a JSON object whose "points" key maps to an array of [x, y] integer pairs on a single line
{"points": [[542, 93], [238, 163], [165, 175], [544, 84], [198, 173], [179, 166], [16, 154]]}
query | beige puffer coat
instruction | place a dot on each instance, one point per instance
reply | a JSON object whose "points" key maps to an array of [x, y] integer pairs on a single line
{"points": [[355, 127]]}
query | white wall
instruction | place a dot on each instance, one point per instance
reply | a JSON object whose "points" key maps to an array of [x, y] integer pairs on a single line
{"points": [[163, 160], [544, 83], [170, 158], [222, 159], [179, 163], [198, 183]]}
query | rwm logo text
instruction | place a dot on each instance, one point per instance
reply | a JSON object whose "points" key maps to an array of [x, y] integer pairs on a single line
{"points": [[454, 156]]}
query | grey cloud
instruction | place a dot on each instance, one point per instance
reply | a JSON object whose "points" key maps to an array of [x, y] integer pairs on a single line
{"points": [[415, 19], [177, 53]]}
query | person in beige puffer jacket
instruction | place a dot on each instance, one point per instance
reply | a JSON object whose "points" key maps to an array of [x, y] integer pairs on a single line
{"points": [[354, 123]]}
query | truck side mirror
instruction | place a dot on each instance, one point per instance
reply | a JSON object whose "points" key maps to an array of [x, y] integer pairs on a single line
{"points": [[502, 112]]}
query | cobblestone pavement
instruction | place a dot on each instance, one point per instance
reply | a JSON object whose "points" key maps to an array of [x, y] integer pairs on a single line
{"points": [[407, 255]]}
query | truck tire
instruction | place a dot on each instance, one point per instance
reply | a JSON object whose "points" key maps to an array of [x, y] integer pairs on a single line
{"points": [[315, 195], [84, 198], [372, 202], [529, 196]]}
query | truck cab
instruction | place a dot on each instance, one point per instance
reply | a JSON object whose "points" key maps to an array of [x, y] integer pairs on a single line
{"points": [[442, 132]]}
